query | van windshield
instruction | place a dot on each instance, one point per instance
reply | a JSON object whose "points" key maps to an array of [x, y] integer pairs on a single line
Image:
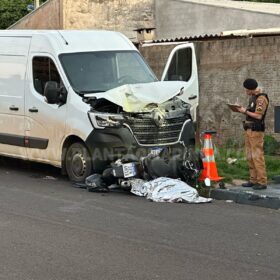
{"points": [[101, 71]]}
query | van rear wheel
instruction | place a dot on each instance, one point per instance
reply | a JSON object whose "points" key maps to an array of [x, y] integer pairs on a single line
{"points": [[78, 162]]}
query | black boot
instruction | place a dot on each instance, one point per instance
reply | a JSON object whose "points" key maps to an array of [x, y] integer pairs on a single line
{"points": [[248, 185]]}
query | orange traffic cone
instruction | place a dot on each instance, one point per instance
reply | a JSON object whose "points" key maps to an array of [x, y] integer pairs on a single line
{"points": [[209, 165]]}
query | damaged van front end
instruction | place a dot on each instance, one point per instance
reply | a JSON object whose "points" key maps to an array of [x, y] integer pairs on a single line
{"points": [[149, 123]]}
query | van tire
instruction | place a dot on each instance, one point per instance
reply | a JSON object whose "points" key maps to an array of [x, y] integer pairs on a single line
{"points": [[78, 162]]}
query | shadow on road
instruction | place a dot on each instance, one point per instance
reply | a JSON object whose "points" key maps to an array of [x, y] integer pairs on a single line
{"points": [[33, 169]]}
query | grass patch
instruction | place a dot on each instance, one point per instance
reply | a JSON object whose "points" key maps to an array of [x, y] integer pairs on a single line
{"points": [[240, 170], [272, 166]]}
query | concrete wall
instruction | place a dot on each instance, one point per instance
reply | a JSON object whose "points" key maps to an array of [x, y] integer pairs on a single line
{"points": [[172, 18], [176, 18], [223, 66], [47, 16], [120, 15]]}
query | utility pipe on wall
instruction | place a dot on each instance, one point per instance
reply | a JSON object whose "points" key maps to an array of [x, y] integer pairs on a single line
{"points": [[36, 3]]}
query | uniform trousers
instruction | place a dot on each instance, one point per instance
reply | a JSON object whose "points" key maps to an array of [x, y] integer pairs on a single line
{"points": [[254, 141]]}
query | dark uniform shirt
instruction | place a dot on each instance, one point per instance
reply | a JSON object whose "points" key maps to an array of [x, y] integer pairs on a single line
{"points": [[258, 104]]}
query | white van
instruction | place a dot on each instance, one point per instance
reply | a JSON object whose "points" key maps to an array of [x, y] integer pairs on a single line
{"points": [[79, 99]]}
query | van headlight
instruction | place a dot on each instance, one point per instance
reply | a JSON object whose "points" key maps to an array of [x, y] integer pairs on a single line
{"points": [[105, 120]]}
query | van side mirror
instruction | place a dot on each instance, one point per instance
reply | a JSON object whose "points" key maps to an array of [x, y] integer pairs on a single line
{"points": [[51, 92], [54, 94]]}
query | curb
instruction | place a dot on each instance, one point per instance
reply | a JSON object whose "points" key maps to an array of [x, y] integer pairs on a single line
{"points": [[246, 197]]}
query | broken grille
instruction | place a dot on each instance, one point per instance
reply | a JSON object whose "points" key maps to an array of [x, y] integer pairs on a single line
{"points": [[147, 132]]}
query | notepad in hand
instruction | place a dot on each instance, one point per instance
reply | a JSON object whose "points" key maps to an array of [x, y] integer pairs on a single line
{"points": [[234, 107]]}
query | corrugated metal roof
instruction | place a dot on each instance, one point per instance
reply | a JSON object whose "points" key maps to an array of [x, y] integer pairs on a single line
{"points": [[192, 38], [224, 35]]}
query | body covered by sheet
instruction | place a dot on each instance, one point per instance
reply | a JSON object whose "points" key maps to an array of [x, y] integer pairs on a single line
{"points": [[167, 190]]}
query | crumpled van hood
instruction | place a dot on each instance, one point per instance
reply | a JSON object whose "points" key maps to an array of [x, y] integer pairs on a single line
{"points": [[135, 97]]}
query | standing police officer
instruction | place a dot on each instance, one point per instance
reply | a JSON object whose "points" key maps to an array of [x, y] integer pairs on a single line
{"points": [[254, 126]]}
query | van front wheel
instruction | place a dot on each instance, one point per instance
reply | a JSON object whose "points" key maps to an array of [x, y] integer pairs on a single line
{"points": [[78, 162]]}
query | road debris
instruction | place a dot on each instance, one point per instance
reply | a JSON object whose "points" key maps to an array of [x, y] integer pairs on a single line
{"points": [[231, 160], [160, 176], [49, 178]]}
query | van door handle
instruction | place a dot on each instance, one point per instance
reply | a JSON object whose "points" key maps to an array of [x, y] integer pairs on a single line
{"points": [[33, 110], [13, 108], [192, 97]]}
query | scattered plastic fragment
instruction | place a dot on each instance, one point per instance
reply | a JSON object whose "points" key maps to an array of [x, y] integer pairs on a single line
{"points": [[231, 160], [49, 178]]}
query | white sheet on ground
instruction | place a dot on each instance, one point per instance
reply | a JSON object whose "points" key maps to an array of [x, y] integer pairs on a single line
{"points": [[167, 190]]}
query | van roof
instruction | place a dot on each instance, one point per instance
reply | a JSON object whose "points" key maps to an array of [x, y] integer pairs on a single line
{"points": [[67, 41]]}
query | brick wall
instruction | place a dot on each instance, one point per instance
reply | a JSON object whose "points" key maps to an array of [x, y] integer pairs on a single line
{"points": [[223, 65], [47, 16], [119, 15]]}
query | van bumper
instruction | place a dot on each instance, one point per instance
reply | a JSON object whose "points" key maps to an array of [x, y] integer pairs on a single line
{"points": [[109, 144]]}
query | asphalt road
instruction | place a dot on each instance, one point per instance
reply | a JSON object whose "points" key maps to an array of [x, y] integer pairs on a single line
{"points": [[50, 230]]}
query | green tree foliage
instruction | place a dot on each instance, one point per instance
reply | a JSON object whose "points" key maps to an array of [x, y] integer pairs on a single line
{"points": [[13, 10]]}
